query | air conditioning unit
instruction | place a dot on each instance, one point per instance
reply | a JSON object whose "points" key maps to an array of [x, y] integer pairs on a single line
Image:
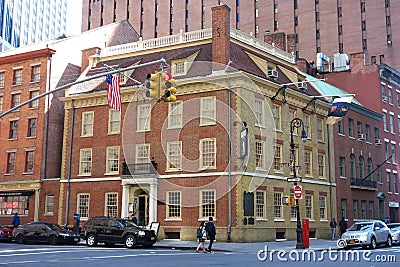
{"points": [[384, 98], [302, 85], [272, 74], [361, 137], [378, 141]]}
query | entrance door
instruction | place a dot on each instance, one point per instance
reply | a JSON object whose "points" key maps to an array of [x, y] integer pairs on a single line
{"points": [[392, 213], [381, 207], [143, 211]]}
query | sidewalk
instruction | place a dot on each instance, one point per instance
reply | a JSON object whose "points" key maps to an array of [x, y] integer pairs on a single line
{"points": [[315, 244]]}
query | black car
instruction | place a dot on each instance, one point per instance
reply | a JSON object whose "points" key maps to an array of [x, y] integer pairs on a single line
{"points": [[111, 231], [41, 232]]}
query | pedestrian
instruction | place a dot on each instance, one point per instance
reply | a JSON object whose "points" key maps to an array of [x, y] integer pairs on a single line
{"points": [[333, 225], [134, 219], [342, 226], [201, 235], [386, 220], [211, 232], [15, 220]]}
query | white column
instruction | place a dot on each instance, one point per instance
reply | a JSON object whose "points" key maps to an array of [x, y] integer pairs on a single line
{"points": [[125, 200], [153, 202]]}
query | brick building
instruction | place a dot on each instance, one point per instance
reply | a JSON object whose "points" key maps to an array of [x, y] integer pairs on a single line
{"points": [[180, 162], [327, 26]]}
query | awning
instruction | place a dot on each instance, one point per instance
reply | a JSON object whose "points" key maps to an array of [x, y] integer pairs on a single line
{"points": [[17, 193]]}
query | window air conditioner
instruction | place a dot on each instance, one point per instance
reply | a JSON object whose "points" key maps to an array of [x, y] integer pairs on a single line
{"points": [[272, 74], [378, 141], [302, 85], [361, 137], [384, 98]]}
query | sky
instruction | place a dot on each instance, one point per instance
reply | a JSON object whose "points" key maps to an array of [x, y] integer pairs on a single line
{"points": [[74, 17]]}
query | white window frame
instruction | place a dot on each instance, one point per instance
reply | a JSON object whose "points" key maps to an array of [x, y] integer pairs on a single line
{"points": [[174, 156], [114, 123], [2, 78], [84, 159], [111, 209], [276, 112], [32, 94], [320, 130], [87, 124], [83, 205], [138, 156], [175, 111], [143, 118], [278, 148], [111, 152], [308, 170], [261, 204], [260, 154], [309, 207], [278, 205], [35, 73], [17, 76], [213, 153], [259, 111], [174, 205], [321, 165], [49, 204], [322, 208], [207, 196], [208, 112]]}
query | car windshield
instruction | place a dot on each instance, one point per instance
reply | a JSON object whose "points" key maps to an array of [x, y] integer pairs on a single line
{"points": [[360, 227], [394, 227], [127, 223], [54, 226]]}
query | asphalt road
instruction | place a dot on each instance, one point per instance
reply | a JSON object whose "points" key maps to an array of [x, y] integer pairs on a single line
{"points": [[15, 255]]}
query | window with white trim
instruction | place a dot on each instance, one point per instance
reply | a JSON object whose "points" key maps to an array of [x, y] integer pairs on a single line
{"points": [[261, 204], [307, 162], [2, 79], [1, 105], [208, 153], [17, 76], [260, 160], [143, 118], [11, 162], [29, 160], [320, 129], [31, 127], [173, 204], [87, 123], [33, 94], [83, 200], [15, 99], [114, 121], [35, 73], [276, 112], [142, 153], [278, 158], [307, 124], [85, 161], [175, 110], [322, 208], [49, 204], [13, 134], [111, 205], [309, 207], [112, 165], [321, 165], [174, 155], [278, 205], [207, 110], [207, 200], [258, 112]]}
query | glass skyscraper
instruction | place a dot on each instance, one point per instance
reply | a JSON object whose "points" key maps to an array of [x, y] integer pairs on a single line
{"points": [[24, 22]]}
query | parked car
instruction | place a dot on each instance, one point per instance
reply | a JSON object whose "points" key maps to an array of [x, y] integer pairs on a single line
{"points": [[5, 233], [111, 231], [371, 233], [41, 232], [395, 232]]}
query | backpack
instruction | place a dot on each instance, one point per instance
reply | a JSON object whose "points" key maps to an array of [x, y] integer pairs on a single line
{"points": [[199, 233], [210, 229]]}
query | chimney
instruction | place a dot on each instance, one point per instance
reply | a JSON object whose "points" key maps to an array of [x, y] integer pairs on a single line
{"points": [[220, 36], [86, 54]]}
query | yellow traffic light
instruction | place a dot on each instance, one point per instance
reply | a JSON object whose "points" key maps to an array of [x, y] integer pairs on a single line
{"points": [[289, 201], [153, 85], [168, 85]]}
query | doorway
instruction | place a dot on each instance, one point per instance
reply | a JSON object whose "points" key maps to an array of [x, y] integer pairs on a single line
{"points": [[141, 209]]}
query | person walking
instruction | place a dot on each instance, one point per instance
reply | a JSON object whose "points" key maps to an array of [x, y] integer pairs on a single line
{"points": [[210, 229], [342, 226], [333, 225], [15, 220], [134, 219], [201, 235]]}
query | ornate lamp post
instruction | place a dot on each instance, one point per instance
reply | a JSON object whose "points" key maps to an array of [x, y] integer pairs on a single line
{"points": [[295, 124]]}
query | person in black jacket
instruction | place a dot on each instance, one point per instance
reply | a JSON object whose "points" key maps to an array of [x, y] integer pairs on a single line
{"points": [[333, 225], [342, 226], [210, 229]]}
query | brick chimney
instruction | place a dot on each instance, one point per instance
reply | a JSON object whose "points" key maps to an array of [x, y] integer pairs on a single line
{"points": [[220, 36], [86, 54]]}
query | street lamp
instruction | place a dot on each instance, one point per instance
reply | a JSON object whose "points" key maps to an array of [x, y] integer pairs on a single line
{"points": [[297, 123]]}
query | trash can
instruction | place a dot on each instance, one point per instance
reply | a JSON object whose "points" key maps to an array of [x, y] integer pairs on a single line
{"points": [[305, 224], [77, 220]]}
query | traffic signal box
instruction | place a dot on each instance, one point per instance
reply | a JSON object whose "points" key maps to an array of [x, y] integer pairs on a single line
{"points": [[168, 86], [289, 201], [153, 85], [161, 86]]}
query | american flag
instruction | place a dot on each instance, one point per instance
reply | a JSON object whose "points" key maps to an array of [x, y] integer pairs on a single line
{"points": [[113, 90]]}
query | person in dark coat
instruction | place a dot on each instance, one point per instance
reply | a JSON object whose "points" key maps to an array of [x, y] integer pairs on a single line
{"points": [[134, 219], [342, 226], [210, 229], [15, 220], [333, 225]]}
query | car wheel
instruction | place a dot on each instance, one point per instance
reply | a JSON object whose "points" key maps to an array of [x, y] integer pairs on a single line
{"points": [[91, 240], [130, 241], [19, 239], [53, 240], [389, 241], [373, 243]]}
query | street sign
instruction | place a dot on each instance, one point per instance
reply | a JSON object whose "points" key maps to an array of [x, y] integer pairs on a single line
{"points": [[293, 179], [298, 192]]}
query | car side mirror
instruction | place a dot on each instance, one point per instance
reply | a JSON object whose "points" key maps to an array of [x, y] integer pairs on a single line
{"points": [[377, 228]]}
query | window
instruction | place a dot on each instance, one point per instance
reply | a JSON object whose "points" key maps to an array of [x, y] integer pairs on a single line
{"points": [[35, 103], [13, 134], [49, 205], [207, 110], [179, 68], [292, 115], [398, 124], [112, 165], [352, 167], [320, 130], [361, 165], [371, 210], [384, 118], [322, 207], [142, 153], [369, 167], [175, 110], [391, 123], [363, 209], [111, 209], [11, 162], [368, 133], [114, 118], [379, 174], [390, 95], [277, 205], [351, 127], [276, 111], [15, 99], [260, 154], [359, 127], [307, 162], [393, 153], [321, 165], [35, 73], [307, 126], [387, 151], [260, 204], [2, 79], [173, 204], [383, 91], [143, 119], [309, 208], [398, 99], [395, 187], [207, 203], [174, 155], [83, 200], [340, 127], [12, 204], [355, 209], [342, 167], [87, 123], [278, 158], [258, 111], [17, 77], [388, 182], [85, 162], [29, 159], [343, 208], [362, 7], [208, 153], [31, 127]]}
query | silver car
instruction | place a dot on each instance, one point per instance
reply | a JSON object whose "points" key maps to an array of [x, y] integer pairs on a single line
{"points": [[395, 232], [371, 233]]}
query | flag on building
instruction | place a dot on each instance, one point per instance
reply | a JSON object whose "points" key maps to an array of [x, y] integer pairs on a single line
{"points": [[338, 109], [113, 91]]}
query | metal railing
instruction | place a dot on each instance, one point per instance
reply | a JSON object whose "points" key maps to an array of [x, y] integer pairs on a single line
{"points": [[139, 168], [363, 183]]}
